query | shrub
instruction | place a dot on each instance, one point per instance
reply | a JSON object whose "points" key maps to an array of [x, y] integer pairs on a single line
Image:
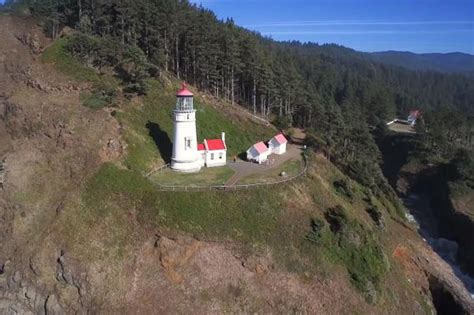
{"points": [[282, 122], [129, 62], [349, 243], [102, 96], [376, 216], [337, 218], [342, 187], [315, 234]]}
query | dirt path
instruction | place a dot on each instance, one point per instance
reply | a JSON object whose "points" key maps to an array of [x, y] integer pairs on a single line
{"points": [[244, 169]]}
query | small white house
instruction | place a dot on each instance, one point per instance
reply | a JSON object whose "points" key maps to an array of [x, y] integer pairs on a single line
{"points": [[259, 153], [277, 144], [213, 152], [413, 116]]}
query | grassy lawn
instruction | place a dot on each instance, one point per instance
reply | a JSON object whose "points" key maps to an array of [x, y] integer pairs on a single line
{"points": [[290, 167], [207, 176], [250, 216]]}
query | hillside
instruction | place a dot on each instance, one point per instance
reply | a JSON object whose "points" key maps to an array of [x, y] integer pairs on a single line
{"points": [[83, 230], [449, 62]]}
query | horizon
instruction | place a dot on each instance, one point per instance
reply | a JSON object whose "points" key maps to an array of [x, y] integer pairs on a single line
{"points": [[420, 26]]}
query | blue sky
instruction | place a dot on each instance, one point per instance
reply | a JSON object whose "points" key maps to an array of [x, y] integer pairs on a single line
{"points": [[366, 25]]}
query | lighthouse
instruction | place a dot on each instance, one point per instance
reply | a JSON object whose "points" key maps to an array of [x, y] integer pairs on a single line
{"points": [[186, 157]]}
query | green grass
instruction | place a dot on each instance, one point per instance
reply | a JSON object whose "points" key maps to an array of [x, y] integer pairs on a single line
{"points": [[291, 168], [93, 101], [353, 246], [205, 177], [58, 55], [246, 215]]}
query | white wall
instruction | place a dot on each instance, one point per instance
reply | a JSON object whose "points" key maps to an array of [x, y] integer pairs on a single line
{"points": [[253, 155], [277, 148], [220, 158], [185, 157]]}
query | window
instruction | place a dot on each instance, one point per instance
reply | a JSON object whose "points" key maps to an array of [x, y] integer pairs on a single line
{"points": [[187, 142], [212, 156], [187, 116], [220, 156]]}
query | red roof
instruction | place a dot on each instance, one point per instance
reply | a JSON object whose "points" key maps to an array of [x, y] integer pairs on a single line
{"points": [[415, 113], [280, 138], [184, 92], [214, 144], [260, 147], [201, 147]]}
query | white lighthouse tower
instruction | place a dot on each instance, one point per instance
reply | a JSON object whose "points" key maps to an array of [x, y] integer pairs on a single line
{"points": [[185, 156]]}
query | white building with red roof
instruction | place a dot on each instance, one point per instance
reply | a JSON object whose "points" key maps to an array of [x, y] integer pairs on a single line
{"points": [[185, 157], [213, 152], [277, 144], [258, 153], [188, 155], [413, 116]]}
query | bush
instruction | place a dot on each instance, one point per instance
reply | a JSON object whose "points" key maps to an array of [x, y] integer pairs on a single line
{"points": [[103, 95], [349, 243], [337, 218], [342, 187], [282, 122], [316, 232], [129, 62], [376, 216]]}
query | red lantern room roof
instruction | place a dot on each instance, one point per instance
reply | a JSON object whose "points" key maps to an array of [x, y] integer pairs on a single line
{"points": [[184, 92]]}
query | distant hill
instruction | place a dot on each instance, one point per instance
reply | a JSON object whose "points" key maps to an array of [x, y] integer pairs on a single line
{"points": [[449, 62]]}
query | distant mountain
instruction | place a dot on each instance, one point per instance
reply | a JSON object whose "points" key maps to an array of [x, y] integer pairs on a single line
{"points": [[449, 62]]}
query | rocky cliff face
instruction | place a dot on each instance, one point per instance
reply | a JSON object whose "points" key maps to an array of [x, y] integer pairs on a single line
{"points": [[48, 146], [429, 182], [454, 223]]}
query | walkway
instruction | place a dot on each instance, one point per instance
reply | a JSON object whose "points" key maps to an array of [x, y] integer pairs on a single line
{"points": [[243, 168]]}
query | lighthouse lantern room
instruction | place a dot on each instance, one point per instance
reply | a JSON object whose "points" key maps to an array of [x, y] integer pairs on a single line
{"points": [[185, 157]]}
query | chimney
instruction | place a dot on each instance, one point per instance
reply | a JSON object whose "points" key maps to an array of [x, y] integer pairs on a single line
{"points": [[223, 137]]}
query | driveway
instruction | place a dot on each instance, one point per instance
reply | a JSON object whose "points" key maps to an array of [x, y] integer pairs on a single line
{"points": [[244, 168]]}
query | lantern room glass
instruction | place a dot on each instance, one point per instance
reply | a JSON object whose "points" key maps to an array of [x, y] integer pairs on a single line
{"points": [[184, 103]]}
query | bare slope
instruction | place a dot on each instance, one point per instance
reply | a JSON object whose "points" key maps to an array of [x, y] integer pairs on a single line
{"points": [[82, 230]]}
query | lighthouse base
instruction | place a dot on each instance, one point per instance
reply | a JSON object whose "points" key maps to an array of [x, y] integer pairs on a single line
{"points": [[186, 166]]}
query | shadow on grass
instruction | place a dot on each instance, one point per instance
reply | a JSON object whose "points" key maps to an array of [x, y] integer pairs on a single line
{"points": [[161, 139], [242, 156]]}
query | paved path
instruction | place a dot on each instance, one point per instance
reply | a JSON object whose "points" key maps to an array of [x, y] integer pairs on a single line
{"points": [[243, 168], [401, 128]]}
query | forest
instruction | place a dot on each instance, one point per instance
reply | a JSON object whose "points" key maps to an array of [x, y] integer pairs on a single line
{"points": [[340, 96]]}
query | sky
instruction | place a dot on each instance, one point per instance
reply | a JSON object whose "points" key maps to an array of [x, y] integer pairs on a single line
{"points": [[367, 25]]}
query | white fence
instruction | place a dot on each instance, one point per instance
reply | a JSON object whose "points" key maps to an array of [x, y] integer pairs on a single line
{"points": [[228, 187]]}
